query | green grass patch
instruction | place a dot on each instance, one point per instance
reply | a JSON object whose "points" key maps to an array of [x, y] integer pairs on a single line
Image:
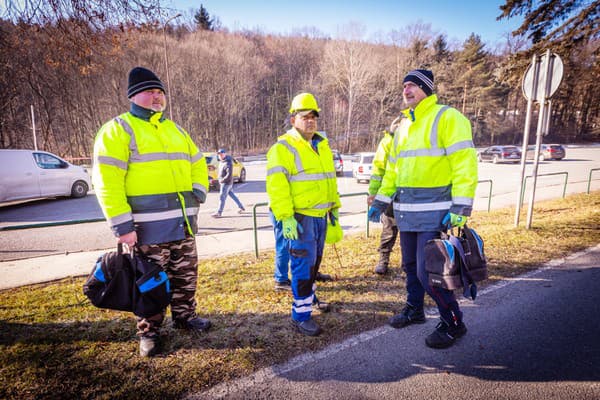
{"points": [[55, 344]]}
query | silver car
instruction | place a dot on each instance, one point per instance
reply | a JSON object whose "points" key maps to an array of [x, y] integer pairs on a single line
{"points": [[338, 163], [30, 174]]}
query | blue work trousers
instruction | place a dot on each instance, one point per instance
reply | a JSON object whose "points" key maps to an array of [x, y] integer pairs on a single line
{"points": [[227, 190], [305, 254], [282, 254], [417, 279]]}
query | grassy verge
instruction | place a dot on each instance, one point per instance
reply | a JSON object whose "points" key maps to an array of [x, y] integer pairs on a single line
{"points": [[55, 344]]}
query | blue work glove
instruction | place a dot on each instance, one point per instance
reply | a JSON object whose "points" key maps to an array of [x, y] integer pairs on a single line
{"points": [[334, 216], [291, 228], [376, 209], [452, 220]]}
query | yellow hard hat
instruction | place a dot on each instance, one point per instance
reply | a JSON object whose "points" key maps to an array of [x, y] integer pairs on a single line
{"points": [[304, 102]]}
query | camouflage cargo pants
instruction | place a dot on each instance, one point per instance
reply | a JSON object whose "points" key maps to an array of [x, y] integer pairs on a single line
{"points": [[389, 234], [179, 260]]}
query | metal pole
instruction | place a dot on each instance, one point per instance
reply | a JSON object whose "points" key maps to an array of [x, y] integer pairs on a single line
{"points": [[169, 100], [540, 129], [536, 72], [33, 127]]}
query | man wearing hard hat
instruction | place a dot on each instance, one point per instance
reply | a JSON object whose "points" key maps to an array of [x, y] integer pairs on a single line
{"points": [[302, 190]]}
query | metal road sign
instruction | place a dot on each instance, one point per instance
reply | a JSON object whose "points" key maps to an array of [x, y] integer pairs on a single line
{"points": [[536, 80]]}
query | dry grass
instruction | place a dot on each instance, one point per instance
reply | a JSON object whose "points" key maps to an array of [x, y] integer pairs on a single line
{"points": [[54, 344]]}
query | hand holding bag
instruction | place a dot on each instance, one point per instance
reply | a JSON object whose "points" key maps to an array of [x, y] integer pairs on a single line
{"points": [[128, 282]]}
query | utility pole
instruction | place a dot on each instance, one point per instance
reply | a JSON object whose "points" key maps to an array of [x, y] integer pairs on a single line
{"points": [[169, 99]]}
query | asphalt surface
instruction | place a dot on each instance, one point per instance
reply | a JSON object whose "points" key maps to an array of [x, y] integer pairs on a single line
{"points": [[536, 336]]}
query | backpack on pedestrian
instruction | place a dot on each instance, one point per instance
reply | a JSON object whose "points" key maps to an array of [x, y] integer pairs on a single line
{"points": [[128, 282], [457, 261]]}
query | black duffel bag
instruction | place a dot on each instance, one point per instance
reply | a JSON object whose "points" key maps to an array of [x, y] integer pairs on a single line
{"points": [[126, 282]]}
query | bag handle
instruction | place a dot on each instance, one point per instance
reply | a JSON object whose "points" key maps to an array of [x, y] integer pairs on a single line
{"points": [[470, 288]]}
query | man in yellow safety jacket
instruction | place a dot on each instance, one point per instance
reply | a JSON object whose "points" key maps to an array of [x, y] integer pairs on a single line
{"points": [[302, 190], [389, 232], [430, 179], [150, 179]]}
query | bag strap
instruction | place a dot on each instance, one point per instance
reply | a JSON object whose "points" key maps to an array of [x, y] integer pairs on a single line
{"points": [[470, 288]]}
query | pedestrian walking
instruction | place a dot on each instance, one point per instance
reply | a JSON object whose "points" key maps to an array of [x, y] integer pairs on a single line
{"points": [[150, 179], [225, 176]]}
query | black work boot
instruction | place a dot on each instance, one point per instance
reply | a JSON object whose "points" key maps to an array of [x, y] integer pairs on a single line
{"points": [[409, 315], [149, 346], [283, 286], [382, 265], [309, 327], [381, 268], [445, 334], [323, 277], [195, 324]]}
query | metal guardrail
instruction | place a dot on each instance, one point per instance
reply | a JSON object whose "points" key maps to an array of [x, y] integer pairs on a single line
{"points": [[257, 205], [566, 174], [590, 179], [490, 194]]}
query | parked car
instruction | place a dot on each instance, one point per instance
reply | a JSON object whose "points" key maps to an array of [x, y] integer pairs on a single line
{"points": [[498, 154], [338, 163], [212, 162], [361, 170], [30, 174], [547, 152]]}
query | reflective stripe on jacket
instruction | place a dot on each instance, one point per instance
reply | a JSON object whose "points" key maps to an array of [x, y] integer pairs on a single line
{"points": [[432, 167], [300, 179], [380, 162], [145, 174]]}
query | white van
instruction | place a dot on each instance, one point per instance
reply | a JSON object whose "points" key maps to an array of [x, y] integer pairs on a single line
{"points": [[29, 174]]}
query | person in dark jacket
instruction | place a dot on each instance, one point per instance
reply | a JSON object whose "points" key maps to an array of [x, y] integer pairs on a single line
{"points": [[226, 182]]}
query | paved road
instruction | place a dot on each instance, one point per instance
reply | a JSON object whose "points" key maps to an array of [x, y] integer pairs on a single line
{"points": [[36, 242], [533, 337]]}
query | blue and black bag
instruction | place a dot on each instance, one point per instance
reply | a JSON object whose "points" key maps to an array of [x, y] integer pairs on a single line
{"points": [[457, 261], [128, 282]]}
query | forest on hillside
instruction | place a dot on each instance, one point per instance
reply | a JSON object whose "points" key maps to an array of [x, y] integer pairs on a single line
{"points": [[232, 89]]}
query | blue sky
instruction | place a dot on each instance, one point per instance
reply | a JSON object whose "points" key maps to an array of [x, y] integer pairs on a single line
{"points": [[456, 19]]}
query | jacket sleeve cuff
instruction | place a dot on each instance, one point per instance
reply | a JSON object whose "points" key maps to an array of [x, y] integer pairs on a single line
{"points": [[200, 195], [461, 209], [123, 228]]}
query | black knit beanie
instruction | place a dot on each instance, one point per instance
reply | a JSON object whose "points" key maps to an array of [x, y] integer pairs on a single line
{"points": [[423, 78], [141, 79]]}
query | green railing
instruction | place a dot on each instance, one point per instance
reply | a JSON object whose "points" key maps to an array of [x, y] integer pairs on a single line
{"points": [[255, 226], [566, 174], [590, 179], [255, 222], [490, 194]]}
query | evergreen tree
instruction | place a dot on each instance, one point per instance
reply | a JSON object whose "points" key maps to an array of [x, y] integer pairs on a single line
{"points": [[203, 20], [479, 90]]}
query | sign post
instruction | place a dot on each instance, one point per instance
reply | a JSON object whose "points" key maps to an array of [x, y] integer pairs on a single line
{"points": [[539, 84]]}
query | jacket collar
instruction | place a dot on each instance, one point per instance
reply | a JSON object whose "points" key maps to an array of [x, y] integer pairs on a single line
{"points": [[145, 114], [317, 135], [421, 109]]}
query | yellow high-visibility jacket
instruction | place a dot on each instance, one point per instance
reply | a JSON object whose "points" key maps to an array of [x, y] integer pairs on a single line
{"points": [[300, 179], [432, 167], [149, 177], [380, 162]]}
